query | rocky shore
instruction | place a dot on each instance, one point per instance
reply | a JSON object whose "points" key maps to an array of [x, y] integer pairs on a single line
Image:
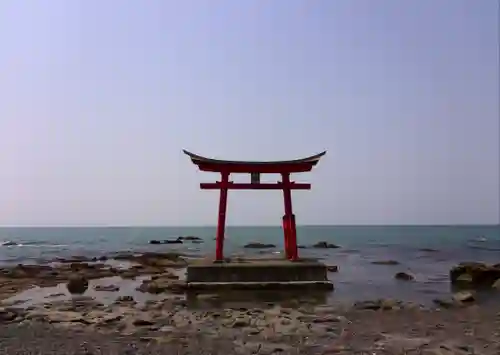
{"points": [[81, 326], [74, 322]]}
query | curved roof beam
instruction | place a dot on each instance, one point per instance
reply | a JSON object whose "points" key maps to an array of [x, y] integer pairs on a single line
{"points": [[313, 159]]}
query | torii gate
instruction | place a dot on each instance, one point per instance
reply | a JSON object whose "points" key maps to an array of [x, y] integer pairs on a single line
{"points": [[255, 168]]}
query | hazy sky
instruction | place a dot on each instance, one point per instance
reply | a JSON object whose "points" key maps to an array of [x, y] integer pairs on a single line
{"points": [[98, 99]]}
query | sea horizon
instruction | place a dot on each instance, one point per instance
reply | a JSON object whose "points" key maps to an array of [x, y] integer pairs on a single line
{"points": [[250, 225]]}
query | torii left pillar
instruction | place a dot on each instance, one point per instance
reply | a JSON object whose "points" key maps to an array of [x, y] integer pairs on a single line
{"points": [[221, 225], [289, 227]]}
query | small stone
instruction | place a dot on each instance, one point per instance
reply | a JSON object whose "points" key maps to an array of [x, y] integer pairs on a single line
{"points": [[464, 296], [125, 300], [428, 250], [445, 303], [140, 322], [388, 304], [368, 305], [107, 288], [326, 319], [167, 329], [64, 317], [332, 268], [385, 262], [241, 322], [403, 276]]}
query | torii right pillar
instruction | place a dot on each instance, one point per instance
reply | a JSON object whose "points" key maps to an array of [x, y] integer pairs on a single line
{"points": [[289, 227]]}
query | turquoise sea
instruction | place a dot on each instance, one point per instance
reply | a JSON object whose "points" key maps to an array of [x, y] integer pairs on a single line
{"points": [[427, 252]]}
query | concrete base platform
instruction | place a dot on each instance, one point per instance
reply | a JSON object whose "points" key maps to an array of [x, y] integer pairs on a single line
{"points": [[262, 286], [258, 274]]}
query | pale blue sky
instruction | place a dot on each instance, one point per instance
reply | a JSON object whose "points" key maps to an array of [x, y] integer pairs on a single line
{"points": [[100, 97]]}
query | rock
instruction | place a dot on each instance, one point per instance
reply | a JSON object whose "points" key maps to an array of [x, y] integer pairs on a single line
{"points": [[326, 319], [166, 241], [445, 303], [374, 305], [173, 241], [21, 271], [162, 284], [177, 286], [7, 316], [125, 300], [256, 245], [140, 322], [171, 259], [77, 284], [401, 344], [385, 262], [241, 322], [464, 296], [107, 288], [190, 238], [154, 287], [368, 305], [105, 319], [325, 245], [403, 276], [332, 268], [428, 250], [464, 280], [73, 259], [496, 285], [64, 317], [481, 275]]}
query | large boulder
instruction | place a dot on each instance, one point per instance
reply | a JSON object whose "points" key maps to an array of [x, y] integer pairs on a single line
{"points": [[77, 284], [476, 275]]}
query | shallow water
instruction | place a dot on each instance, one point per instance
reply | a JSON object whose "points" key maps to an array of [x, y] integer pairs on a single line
{"points": [[360, 246], [40, 295]]}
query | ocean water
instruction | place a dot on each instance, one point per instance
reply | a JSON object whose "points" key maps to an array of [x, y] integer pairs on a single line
{"points": [[428, 252]]}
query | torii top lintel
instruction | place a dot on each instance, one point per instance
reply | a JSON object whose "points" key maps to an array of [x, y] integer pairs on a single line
{"points": [[271, 167]]}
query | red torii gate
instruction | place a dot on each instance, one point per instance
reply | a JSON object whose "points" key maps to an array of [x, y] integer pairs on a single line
{"points": [[254, 168]]}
